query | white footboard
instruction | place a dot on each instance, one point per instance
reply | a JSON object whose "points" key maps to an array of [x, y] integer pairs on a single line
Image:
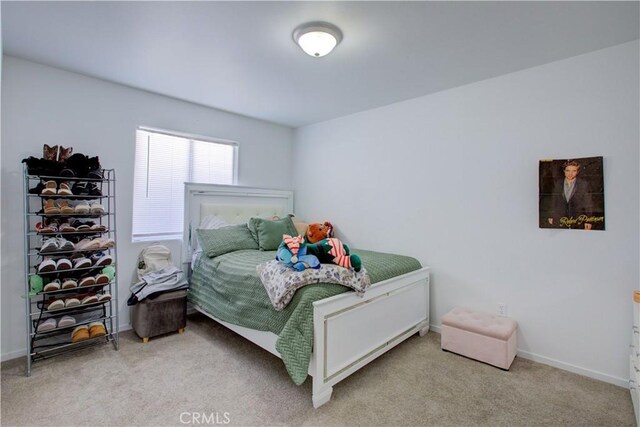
{"points": [[350, 331]]}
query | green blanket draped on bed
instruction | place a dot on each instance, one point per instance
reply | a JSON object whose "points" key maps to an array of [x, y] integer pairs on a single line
{"points": [[228, 288]]}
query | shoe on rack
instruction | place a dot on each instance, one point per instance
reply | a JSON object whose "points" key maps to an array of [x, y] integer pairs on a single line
{"points": [[49, 189], [66, 321], [47, 266], [47, 325], [50, 245], [87, 281], [89, 299], [104, 297], [101, 260], [63, 264], [109, 271], [71, 302], [65, 227], [64, 189], [82, 263], [97, 209], [69, 284], [50, 208], [80, 333], [53, 285], [65, 245], [66, 208], [55, 305], [102, 279], [82, 208], [97, 329]]}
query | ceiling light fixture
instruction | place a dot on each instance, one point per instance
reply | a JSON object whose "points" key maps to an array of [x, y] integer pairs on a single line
{"points": [[317, 38]]}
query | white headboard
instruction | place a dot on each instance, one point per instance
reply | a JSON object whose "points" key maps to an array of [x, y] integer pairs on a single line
{"points": [[233, 203]]}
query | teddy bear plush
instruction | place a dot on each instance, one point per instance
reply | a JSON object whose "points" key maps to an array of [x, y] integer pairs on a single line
{"points": [[292, 252], [333, 251], [317, 232]]}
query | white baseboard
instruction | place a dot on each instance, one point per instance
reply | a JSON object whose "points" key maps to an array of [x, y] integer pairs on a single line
{"points": [[10, 355], [575, 369], [622, 382]]}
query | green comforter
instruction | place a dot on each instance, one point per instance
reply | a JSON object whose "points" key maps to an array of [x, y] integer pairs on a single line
{"points": [[228, 288]]}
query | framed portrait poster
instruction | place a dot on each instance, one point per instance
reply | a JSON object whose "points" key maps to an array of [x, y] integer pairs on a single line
{"points": [[572, 194]]}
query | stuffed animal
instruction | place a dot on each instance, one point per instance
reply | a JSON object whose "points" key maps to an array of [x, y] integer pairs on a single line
{"points": [[292, 252], [333, 251], [317, 232]]}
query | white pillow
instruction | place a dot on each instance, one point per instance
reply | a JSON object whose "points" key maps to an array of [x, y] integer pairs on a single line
{"points": [[212, 222]]}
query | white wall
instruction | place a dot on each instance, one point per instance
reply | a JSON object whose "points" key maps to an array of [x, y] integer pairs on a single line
{"points": [[452, 179], [47, 105]]}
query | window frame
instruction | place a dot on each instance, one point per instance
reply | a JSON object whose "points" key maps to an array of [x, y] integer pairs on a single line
{"points": [[191, 137]]}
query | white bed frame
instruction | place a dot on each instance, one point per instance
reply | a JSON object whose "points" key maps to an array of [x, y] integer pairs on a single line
{"points": [[349, 331]]}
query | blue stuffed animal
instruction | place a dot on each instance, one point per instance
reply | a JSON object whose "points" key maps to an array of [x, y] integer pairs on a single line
{"points": [[292, 252]]}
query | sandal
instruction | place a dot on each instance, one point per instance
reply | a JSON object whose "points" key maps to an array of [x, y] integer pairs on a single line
{"points": [[71, 302], [49, 189], [50, 208], [104, 298], [64, 189], [94, 190], [89, 299]]}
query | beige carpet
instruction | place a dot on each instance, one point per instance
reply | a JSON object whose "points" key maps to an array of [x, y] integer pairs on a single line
{"points": [[209, 370]]}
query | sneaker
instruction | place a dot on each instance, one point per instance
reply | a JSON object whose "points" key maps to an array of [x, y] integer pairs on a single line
{"points": [[63, 264], [101, 260], [87, 281], [65, 245], [47, 266], [82, 263], [50, 245]]}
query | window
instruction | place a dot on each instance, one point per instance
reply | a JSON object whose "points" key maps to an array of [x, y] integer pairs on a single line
{"points": [[164, 162]]}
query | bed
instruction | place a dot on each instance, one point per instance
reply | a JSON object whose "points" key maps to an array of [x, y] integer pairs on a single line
{"points": [[337, 332]]}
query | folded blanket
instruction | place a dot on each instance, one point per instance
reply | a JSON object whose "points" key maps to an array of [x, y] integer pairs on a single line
{"points": [[281, 282]]}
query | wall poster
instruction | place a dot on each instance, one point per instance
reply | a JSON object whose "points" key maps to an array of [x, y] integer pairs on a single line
{"points": [[572, 194]]}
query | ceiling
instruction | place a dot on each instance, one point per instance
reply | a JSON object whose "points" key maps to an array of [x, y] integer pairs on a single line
{"points": [[240, 57]]}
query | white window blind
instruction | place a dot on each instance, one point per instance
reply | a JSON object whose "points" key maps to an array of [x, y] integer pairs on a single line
{"points": [[164, 162]]}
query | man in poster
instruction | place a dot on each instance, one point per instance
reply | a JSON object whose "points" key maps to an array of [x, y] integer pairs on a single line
{"points": [[570, 202]]}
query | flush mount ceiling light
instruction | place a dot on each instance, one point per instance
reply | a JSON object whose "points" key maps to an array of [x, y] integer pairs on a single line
{"points": [[317, 38]]}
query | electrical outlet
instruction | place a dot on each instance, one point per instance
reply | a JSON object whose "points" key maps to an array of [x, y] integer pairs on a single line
{"points": [[502, 309]]}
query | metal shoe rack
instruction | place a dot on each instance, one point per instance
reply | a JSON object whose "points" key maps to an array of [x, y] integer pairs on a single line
{"points": [[56, 341]]}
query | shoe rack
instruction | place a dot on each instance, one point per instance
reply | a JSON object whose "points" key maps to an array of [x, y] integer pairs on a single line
{"points": [[70, 260]]}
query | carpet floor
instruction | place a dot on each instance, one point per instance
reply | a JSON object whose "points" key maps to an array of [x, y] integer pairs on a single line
{"points": [[211, 375]]}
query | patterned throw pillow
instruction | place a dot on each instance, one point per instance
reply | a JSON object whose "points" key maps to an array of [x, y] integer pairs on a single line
{"points": [[220, 241]]}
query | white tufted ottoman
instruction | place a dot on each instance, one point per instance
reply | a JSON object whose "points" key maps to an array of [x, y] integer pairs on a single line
{"points": [[481, 336]]}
